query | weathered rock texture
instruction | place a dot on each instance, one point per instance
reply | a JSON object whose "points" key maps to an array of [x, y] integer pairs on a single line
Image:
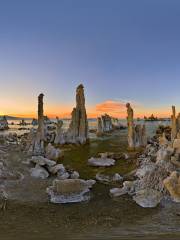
{"points": [[3, 123], [70, 190], [53, 153], [99, 126], [41, 127], [157, 175], [172, 184], [136, 133], [175, 124], [104, 124], [60, 135], [78, 129], [37, 138], [107, 123], [130, 124]]}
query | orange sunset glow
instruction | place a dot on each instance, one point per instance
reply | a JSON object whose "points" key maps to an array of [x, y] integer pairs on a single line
{"points": [[114, 108]]}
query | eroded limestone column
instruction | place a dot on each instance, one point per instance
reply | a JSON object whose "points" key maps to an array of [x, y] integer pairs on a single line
{"points": [[41, 127], [99, 126], [130, 124], [78, 129], [173, 124]]}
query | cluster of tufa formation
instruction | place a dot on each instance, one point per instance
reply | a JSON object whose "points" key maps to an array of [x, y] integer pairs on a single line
{"points": [[136, 133], [48, 132], [77, 132], [104, 124], [158, 175]]}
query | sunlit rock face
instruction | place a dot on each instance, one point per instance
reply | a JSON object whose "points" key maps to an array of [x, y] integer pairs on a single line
{"points": [[163, 140], [70, 190], [172, 184], [78, 129], [136, 133]]}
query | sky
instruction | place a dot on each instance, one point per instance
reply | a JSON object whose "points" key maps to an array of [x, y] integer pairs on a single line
{"points": [[120, 50]]}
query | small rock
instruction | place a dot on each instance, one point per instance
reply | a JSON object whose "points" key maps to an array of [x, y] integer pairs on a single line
{"points": [[42, 161], [74, 175], [57, 168], [101, 162], [117, 192], [62, 176], [39, 172]]}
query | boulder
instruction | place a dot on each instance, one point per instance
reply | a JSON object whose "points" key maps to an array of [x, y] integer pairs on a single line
{"points": [[39, 172], [162, 154], [148, 198], [39, 160], [70, 190], [57, 168], [172, 184], [163, 140], [108, 178], [144, 169], [176, 144], [127, 188]]}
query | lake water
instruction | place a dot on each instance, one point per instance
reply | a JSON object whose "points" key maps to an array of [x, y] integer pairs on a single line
{"points": [[150, 126]]}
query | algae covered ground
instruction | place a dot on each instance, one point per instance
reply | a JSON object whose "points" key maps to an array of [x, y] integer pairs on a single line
{"points": [[76, 157]]}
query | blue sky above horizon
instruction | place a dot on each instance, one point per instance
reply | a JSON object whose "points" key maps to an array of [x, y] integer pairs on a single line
{"points": [[121, 50]]}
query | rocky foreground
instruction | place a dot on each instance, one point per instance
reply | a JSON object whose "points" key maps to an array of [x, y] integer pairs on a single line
{"points": [[158, 175], [156, 178]]}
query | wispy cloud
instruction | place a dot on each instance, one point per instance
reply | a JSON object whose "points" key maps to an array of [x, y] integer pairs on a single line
{"points": [[112, 107]]}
